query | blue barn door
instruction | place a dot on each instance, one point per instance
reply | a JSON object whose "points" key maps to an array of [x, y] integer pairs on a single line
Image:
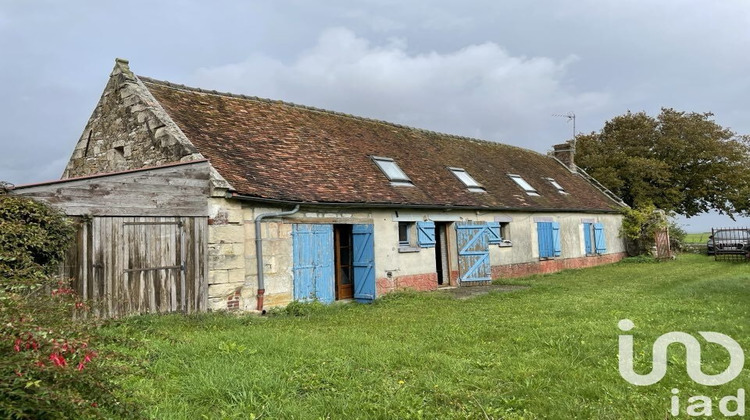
{"points": [[312, 247], [363, 250], [473, 251]]}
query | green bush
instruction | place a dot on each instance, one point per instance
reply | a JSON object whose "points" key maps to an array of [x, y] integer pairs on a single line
{"points": [[641, 224], [33, 239], [49, 367]]}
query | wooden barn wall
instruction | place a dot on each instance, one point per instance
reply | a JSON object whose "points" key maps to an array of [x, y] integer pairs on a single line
{"points": [[133, 265], [180, 190]]}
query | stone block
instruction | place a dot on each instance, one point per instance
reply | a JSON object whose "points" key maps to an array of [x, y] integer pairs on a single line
{"points": [[218, 276], [226, 234], [217, 304], [226, 262], [276, 299], [236, 276], [221, 290]]}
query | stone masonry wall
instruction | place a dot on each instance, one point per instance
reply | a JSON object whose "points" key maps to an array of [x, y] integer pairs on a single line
{"points": [[128, 130], [226, 254]]}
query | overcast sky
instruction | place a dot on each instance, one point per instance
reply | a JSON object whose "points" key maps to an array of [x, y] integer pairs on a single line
{"points": [[496, 70]]}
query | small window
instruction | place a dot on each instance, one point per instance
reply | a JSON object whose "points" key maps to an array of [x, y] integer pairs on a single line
{"points": [[405, 234], [523, 184], [391, 170], [505, 233], [555, 184], [467, 179]]}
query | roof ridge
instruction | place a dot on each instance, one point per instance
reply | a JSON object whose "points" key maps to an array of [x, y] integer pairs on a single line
{"points": [[167, 83]]}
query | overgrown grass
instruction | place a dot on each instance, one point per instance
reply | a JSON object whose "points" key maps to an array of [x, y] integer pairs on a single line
{"points": [[549, 351]]}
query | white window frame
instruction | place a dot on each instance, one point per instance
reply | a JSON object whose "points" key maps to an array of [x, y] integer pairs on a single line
{"points": [[472, 184], [518, 179], [387, 166], [557, 185]]}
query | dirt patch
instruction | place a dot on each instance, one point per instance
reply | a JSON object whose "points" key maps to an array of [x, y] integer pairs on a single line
{"points": [[468, 292]]}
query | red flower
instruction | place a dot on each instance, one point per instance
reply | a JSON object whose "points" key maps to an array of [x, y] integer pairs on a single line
{"points": [[90, 355], [80, 366], [58, 359], [17, 345]]}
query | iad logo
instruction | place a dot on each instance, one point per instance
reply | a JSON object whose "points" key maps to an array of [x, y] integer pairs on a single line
{"points": [[693, 350], [701, 405]]}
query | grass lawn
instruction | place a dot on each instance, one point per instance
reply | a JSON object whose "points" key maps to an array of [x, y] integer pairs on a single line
{"points": [[697, 238], [549, 351]]}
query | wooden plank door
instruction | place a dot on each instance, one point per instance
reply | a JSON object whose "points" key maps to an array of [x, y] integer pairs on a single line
{"points": [[363, 246], [312, 248], [473, 251], [153, 274]]}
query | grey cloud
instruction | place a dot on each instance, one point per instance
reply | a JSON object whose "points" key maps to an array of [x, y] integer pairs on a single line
{"points": [[479, 90]]}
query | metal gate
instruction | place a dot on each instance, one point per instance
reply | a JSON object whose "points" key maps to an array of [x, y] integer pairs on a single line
{"points": [[473, 251]]}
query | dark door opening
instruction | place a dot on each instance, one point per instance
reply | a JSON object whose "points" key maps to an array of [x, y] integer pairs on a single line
{"points": [[342, 239], [442, 266]]}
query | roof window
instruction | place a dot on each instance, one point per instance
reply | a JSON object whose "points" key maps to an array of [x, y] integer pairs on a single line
{"points": [[523, 184], [555, 184], [392, 170], [467, 179]]}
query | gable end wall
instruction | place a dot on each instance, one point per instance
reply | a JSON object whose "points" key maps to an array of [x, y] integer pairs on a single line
{"points": [[128, 130]]}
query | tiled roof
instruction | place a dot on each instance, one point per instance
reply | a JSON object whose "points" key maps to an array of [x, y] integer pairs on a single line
{"points": [[274, 150]]}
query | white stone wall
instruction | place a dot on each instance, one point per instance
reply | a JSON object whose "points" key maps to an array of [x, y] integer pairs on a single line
{"points": [[232, 258]]}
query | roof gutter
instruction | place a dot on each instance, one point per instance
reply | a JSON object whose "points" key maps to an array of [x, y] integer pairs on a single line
{"points": [[247, 198], [259, 249]]}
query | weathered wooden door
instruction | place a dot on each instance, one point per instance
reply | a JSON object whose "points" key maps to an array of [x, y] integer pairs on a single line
{"points": [[312, 248], [473, 251], [363, 246], [131, 265], [153, 272]]}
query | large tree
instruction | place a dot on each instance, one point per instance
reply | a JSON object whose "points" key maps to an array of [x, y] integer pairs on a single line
{"points": [[679, 161]]}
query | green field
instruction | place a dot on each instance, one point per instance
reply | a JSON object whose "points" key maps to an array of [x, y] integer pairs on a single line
{"points": [[548, 351], [697, 238]]}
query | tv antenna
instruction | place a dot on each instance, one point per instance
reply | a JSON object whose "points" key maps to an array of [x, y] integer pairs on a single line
{"points": [[571, 116]]}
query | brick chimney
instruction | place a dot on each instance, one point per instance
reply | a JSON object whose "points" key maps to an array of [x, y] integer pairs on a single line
{"points": [[565, 153]]}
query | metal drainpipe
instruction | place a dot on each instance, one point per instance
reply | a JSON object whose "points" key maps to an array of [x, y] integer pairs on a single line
{"points": [[259, 250]]}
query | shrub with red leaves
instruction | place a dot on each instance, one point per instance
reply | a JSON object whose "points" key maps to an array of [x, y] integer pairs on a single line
{"points": [[48, 368]]}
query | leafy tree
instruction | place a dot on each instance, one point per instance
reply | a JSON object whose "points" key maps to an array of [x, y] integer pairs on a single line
{"points": [[682, 162]]}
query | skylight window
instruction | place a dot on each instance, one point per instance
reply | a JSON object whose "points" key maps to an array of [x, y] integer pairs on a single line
{"points": [[523, 184], [555, 184], [464, 177], [392, 170]]}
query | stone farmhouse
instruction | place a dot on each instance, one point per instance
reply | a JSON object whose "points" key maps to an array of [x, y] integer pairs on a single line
{"points": [[190, 200]]}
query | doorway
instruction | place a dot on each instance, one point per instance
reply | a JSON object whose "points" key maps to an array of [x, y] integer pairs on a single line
{"points": [[342, 239], [442, 263]]}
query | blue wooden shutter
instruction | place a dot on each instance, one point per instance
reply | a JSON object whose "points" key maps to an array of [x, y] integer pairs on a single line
{"points": [[599, 239], [556, 239], [544, 236], [312, 265], [587, 238], [363, 249], [493, 231], [473, 251], [426, 234]]}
